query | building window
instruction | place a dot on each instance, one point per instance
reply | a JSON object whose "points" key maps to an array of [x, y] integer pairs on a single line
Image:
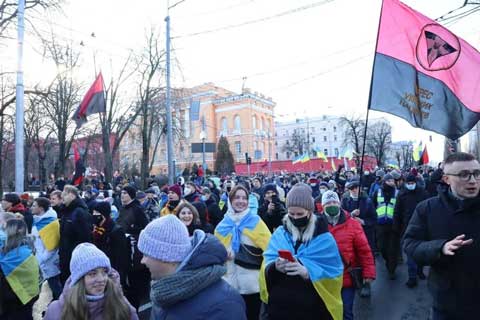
{"points": [[224, 125], [262, 124], [313, 139], [276, 156], [325, 138], [288, 143], [254, 122], [334, 129], [334, 138], [276, 143], [236, 122], [325, 151], [288, 155], [238, 147], [336, 152], [313, 129], [324, 129]]}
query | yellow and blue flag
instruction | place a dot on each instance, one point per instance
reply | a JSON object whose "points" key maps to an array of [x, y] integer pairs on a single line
{"points": [[322, 156], [229, 233], [322, 260], [49, 231], [305, 158], [297, 159], [20, 268]]}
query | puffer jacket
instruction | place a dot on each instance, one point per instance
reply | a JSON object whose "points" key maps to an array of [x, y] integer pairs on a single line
{"points": [[219, 301], [353, 247], [54, 311], [49, 261]]}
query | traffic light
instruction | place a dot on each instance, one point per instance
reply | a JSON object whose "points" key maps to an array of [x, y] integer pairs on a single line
{"points": [[248, 159]]}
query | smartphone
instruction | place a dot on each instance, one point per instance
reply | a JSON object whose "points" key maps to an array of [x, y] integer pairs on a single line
{"points": [[285, 254]]}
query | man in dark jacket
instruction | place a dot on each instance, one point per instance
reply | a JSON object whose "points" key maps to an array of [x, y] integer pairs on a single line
{"points": [[444, 233], [75, 228], [361, 209], [407, 201], [272, 209], [132, 219], [214, 213], [187, 274], [11, 203]]}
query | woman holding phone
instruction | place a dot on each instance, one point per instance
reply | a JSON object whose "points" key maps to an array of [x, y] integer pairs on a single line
{"points": [[302, 258], [245, 236]]}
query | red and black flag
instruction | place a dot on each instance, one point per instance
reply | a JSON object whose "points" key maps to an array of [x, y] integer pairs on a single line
{"points": [[424, 159], [93, 102], [79, 168]]}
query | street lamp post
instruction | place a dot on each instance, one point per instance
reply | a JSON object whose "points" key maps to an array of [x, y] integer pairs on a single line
{"points": [[203, 136]]}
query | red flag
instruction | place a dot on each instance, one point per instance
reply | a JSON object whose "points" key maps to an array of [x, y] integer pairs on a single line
{"points": [[79, 167], [425, 159], [93, 102], [424, 73]]}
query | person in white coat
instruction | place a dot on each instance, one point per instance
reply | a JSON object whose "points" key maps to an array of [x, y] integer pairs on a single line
{"points": [[46, 230]]}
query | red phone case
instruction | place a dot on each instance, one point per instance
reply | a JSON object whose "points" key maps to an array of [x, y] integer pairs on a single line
{"points": [[285, 254]]}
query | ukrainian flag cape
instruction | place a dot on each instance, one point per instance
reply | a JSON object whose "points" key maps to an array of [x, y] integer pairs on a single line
{"points": [[20, 268], [49, 231], [322, 260], [229, 233]]}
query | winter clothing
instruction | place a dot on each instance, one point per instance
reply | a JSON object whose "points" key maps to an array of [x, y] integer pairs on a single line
{"points": [[213, 211], [353, 246], [405, 205], [300, 196], [165, 239], [273, 219], [48, 260], [25, 212], [95, 308], [132, 191], [330, 196], [104, 208], [177, 189], [169, 207], [196, 290], [454, 280], [151, 208], [204, 216], [86, 257], [75, 228], [367, 214], [132, 218]]}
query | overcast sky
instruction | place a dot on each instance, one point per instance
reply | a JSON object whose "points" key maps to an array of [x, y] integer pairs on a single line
{"points": [[314, 61]]}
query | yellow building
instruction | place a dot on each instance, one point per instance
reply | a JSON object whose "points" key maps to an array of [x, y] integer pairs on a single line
{"points": [[245, 119]]}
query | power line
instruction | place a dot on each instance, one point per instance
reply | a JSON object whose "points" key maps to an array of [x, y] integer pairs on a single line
{"points": [[204, 13], [278, 15], [464, 15]]}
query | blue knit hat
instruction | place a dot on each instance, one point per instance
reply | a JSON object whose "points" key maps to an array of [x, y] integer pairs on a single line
{"points": [[86, 257], [165, 239]]}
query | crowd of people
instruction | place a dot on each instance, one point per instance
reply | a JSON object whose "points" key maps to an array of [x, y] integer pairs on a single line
{"points": [[287, 246]]}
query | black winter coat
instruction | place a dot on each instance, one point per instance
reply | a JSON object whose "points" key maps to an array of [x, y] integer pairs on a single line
{"points": [[453, 281], [75, 228], [367, 211], [213, 211], [272, 219], [132, 218], [406, 203]]}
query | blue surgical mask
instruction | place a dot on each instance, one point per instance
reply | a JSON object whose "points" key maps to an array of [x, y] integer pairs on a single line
{"points": [[204, 198], [411, 186]]}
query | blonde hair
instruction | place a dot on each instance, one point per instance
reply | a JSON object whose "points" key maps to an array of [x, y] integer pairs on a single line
{"points": [[114, 308], [16, 231], [185, 204]]}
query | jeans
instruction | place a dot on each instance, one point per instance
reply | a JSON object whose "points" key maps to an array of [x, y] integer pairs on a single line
{"points": [[348, 296], [56, 286]]}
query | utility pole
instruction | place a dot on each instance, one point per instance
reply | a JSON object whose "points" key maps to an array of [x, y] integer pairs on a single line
{"points": [[168, 106], [20, 108]]}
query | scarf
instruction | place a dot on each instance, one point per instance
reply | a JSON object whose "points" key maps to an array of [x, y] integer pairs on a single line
{"points": [[184, 285], [228, 225]]}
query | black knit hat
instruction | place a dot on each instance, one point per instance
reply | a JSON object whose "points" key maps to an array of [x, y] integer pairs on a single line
{"points": [[104, 208], [132, 192], [13, 198]]}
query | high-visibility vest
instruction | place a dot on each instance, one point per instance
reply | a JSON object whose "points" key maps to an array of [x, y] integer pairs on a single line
{"points": [[384, 209]]}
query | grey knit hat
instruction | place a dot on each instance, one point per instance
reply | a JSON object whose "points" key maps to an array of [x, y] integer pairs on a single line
{"points": [[330, 196], [85, 258], [165, 239], [301, 196]]}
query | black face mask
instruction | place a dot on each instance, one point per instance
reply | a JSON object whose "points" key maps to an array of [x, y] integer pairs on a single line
{"points": [[300, 222], [172, 204], [97, 219]]}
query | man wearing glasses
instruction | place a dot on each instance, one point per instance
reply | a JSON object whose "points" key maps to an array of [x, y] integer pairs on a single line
{"points": [[444, 233]]}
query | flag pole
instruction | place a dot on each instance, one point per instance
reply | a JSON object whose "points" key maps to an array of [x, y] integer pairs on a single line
{"points": [[369, 102]]}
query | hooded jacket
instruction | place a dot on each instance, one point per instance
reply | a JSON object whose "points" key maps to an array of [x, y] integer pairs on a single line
{"points": [[218, 301], [54, 311], [25, 212], [49, 261], [454, 280]]}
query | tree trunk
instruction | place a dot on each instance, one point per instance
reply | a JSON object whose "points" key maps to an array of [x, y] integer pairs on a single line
{"points": [[1, 151]]}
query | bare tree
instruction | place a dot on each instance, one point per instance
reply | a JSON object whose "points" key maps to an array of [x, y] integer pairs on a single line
{"points": [[354, 128], [62, 99], [297, 144], [379, 138], [9, 10]]}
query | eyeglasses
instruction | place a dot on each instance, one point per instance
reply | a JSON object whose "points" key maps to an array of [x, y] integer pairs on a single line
{"points": [[465, 175]]}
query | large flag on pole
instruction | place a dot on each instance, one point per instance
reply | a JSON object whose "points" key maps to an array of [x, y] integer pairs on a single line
{"points": [[424, 73], [93, 102]]}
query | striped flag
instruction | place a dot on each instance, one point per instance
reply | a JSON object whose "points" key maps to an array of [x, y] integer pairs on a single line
{"points": [[93, 102]]}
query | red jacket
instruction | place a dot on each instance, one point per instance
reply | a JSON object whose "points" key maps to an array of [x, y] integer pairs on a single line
{"points": [[353, 246]]}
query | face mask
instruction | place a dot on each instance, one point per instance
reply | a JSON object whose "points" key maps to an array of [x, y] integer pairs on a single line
{"points": [[353, 197], [332, 211], [172, 204], [300, 222], [313, 184], [229, 189], [410, 186], [97, 219], [204, 198], [367, 173], [187, 191], [322, 191]]}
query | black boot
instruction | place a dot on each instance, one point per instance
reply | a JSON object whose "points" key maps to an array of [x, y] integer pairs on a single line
{"points": [[421, 275]]}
